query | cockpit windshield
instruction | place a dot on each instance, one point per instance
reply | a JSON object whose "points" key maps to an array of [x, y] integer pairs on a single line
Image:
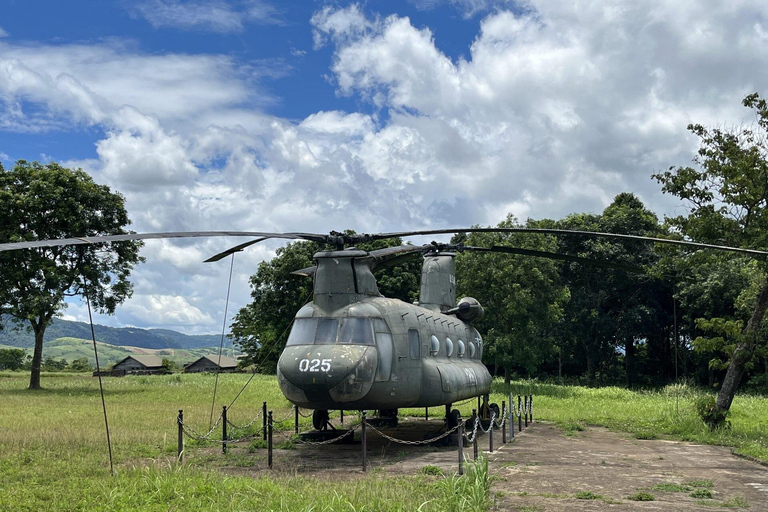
{"points": [[330, 331]]}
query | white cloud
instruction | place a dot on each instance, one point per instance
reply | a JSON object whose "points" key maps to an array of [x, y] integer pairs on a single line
{"points": [[4, 33], [554, 110], [211, 15]]}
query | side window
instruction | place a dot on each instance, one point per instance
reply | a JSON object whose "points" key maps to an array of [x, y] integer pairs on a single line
{"points": [[384, 346], [448, 347], [462, 348], [434, 346], [413, 340]]}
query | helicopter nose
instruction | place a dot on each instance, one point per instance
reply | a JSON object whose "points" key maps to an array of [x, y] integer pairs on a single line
{"points": [[328, 373]]}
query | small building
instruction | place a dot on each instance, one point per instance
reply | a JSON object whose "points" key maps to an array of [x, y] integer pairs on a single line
{"points": [[211, 364], [139, 364]]}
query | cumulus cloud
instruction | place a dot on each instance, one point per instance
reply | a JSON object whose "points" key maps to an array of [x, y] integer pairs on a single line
{"points": [[556, 108], [211, 15]]}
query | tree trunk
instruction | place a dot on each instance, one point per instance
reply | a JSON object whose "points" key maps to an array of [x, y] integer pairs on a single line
{"points": [[590, 368], [743, 352], [37, 355], [629, 360], [507, 378]]}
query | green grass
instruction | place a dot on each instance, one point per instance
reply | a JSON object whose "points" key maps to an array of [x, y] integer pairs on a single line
{"points": [[53, 451], [641, 496], [671, 487]]}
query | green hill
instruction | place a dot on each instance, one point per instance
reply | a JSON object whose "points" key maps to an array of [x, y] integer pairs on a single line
{"points": [[124, 336]]}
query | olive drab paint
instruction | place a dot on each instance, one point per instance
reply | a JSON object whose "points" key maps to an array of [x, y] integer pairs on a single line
{"points": [[352, 348]]}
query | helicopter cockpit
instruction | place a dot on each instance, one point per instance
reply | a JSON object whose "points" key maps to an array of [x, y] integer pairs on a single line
{"points": [[331, 331]]}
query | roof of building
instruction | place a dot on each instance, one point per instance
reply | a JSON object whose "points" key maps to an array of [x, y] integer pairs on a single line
{"points": [[226, 362], [147, 360]]}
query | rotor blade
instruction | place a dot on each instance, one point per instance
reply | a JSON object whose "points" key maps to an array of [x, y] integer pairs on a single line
{"points": [[385, 257], [233, 250], [567, 232], [557, 256], [146, 236]]}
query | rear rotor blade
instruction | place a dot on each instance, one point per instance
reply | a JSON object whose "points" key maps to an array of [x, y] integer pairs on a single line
{"points": [[617, 236], [233, 250], [557, 256]]}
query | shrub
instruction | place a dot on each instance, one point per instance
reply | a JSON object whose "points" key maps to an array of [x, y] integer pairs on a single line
{"points": [[642, 496], [706, 408]]}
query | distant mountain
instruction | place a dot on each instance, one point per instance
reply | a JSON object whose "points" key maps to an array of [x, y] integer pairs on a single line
{"points": [[123, 336]]}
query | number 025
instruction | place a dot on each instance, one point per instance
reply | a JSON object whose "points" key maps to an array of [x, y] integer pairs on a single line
{"points": [[314, 365]]}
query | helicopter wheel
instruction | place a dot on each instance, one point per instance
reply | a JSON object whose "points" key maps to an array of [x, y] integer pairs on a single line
{"points": [[320, 419], [453, 418], [494, 409]]}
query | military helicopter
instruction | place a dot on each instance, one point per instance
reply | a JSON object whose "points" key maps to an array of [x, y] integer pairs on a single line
{"points": [[353, 349]]}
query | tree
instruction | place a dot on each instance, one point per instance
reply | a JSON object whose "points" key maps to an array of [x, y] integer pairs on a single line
{"points": [[727, 194], [612, 310], [261, 327], [49, 201], [11, 358], [522, 297], [80, 364]]}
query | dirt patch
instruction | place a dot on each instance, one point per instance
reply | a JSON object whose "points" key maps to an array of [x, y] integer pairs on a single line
{"points": [[543, 469]]}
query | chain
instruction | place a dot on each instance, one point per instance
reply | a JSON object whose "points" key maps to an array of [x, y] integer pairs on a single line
{"points": [[197, 434], [493, 418], [412, 443], [304, 415], [194, 435], [329, 441], [471, 439], [245, 426]]}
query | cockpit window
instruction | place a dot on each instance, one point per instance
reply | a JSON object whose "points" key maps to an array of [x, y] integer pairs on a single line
{"points": [[356, 331], [329, 331], [302, 332], [326, 331]]}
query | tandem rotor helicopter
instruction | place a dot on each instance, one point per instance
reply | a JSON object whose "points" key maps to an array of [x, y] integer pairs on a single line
{"points": [[351, 348]]}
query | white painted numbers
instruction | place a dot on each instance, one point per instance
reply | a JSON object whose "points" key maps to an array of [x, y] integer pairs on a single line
{"points": [[315, 365]]}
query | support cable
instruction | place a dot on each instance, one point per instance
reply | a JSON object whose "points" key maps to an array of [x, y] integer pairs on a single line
{"points": [[101, 386], [221, 344]]}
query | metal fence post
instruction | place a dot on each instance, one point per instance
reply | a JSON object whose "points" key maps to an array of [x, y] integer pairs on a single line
{"points": [[264, 420], [526, 411], [365, 447], [342, 417], [530, 408], [461, 446], [475, 419], [511, 417], [224, 429], [426, 413], [519, 414], [180, 445], [269, 441], [503, 415]]}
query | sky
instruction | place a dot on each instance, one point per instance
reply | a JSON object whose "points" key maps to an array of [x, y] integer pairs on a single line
{"points": [[259, 115]]}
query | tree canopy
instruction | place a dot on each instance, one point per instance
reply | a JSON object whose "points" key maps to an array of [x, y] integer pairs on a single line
{"points": [[44, 201]]}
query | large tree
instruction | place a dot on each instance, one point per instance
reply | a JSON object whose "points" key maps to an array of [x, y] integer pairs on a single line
{"points": [[727, 194], [49, 201], [522, 297]]}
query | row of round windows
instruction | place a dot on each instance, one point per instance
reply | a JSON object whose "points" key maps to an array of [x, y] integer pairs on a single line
{"points": [[434, 347]]}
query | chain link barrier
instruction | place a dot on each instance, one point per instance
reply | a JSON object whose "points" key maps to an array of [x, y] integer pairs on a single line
{"points": [[196, 434], [412, 443], [471, 439], [258, 415], [191, 433], [330, 441]]}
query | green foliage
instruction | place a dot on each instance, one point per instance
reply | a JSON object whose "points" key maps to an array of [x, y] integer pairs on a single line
{"points": [[429, 469], [701, 493], [588, 495], [641, 496], [470, 492], [522, 297], [710, 414], [11, 358], [699, 483], [671, 487], [79, 365], [49, 201]]}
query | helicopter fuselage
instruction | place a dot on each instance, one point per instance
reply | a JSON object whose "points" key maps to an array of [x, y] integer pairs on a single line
{"points": [[381, 353]]}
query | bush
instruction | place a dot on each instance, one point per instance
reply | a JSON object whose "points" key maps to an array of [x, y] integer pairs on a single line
{"points": [[641, 496], [706, 408]]}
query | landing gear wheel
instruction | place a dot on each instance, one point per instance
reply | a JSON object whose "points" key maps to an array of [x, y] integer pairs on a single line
{"points": [[453, 418], [320, 419], [494, 410]]}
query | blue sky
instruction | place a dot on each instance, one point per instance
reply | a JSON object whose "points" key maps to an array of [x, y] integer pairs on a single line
{"points": [[373, 116]]}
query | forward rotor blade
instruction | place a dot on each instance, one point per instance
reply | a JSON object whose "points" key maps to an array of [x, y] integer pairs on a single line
{"points": [[617, 236], [233, 250], [557, 256], [147, 236]]}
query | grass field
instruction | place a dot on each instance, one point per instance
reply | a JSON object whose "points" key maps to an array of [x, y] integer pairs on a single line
{"points": [[53, 449]]}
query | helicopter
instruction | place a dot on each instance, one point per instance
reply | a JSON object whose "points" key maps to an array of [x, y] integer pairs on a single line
{"points": [[351, 348]]}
